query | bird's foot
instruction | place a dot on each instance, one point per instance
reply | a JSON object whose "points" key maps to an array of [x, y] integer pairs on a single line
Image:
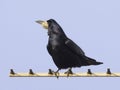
{"points": [[56, 74], [69, 72]]}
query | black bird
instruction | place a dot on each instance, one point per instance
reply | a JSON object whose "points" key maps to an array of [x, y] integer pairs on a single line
{"points": [[64, 52]]}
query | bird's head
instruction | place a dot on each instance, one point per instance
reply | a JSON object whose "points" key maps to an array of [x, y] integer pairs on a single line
{"points": [[52, 26], [51, 23]]}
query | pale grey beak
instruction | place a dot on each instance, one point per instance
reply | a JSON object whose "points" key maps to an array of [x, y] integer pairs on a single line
{"points": [[43, 23], [39, 21]]}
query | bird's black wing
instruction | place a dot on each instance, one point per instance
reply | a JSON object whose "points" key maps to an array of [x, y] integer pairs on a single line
{"points": [[74, 47], [77, 50]]}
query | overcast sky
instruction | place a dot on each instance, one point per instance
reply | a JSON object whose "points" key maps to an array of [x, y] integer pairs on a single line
{"points": [[93, 24]]}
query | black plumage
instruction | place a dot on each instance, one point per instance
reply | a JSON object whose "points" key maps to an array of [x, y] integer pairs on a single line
{"points": [[64, 52]]}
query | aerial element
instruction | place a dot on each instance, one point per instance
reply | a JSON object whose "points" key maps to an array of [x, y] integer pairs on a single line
{"points": [[65, 53]]}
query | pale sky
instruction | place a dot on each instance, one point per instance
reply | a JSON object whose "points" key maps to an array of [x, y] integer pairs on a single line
{"points": [[93, 24]]}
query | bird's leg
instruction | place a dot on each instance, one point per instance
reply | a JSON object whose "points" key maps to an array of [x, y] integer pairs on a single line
{"points": [[69, 72], [57, 73]]}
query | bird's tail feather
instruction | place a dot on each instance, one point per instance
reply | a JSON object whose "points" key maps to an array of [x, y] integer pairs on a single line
{"points": [[90, 61]]}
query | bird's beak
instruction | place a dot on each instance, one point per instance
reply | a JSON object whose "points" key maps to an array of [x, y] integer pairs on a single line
{"points": [[43, 23]]}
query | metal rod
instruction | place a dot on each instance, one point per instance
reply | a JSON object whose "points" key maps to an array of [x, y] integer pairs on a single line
{"points": [[64, 75], [52, 74]]}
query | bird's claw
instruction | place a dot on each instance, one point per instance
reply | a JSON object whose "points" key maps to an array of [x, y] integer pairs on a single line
{"points": [[69, 72], [56, 74]]}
